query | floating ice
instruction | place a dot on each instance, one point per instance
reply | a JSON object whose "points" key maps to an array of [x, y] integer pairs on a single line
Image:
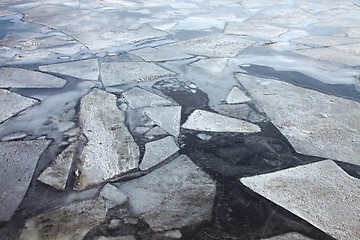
{"points": [[159, 54], [85, 69], [320, 193], [73, 221], [212, 122], [110, 150], [113, 194], [176, 195], [299, 115], [168, 118], [18, 163], [116, 73], [158, 151], [236, 96], [22, 78], [138, 97], [215, 65], [57, 174]]}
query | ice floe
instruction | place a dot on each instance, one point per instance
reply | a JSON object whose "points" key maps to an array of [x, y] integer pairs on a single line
{"points": [[57, 174], [110, 150], [201, 120], [22, 78], [138, 98], [321, 193], [314, 123], [158, 151], [73, 221], [168, 118], [116, 73], [18, 162], [236, 96], [112, 193], [12, 103], [86, 69], [169, 198]]}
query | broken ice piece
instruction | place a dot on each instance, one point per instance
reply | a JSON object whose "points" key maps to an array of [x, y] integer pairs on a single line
{"points": [[236, 96]]}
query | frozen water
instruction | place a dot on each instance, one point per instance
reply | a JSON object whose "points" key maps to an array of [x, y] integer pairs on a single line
{"points": [[138, 98], [85, 69], [12, 103], [158, 151], [112, 193], [321, 193], [168, 118], [18, 162], [314, 123], [236, 96], [116, 73], [73, 221], [169, 198], [212, 122], [22, 78], [57, 174], [110, 150]]}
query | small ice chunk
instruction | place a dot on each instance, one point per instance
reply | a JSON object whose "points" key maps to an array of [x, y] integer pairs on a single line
{"points": [[158, 151], [113, 194], [138, 97], [236, 96], [201, 120]]}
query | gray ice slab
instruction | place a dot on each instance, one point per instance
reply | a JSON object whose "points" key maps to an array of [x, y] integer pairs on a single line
{"points": [[110, 150], [22, 78], [18, 161], [71, 222], [158, 151], [155, 132], [320, 193], [326, 41], [113, 194], [159, 54], [256, 30], [236, 96], [168, 118], [347, 54], [240, 111], [12, 103], [116, 238], [212, 122], [85, 69], [176, 195], [289, 236], [116, 73], [138, 97], [57, 174], [215, 65], [222, 46], [314, 123]]}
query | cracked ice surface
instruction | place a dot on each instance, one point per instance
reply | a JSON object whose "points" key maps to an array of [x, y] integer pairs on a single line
{"points": [[314, 123], [116, 73], [86, 69], [18, 163], [73, 221], [22, 78], [12, 103], [110, 150], [212, 122], [321, 193], [169, 197]]}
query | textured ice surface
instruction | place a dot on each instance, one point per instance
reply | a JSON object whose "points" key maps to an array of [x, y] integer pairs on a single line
{"points": [[116, 73], [169, 198], [321, 193], [138, 97], [17, 163], [85, 69], [12, 103], [110, 150], [168, 118], [73, 221], [236, 96], [22, 78], [314, 123], [57, 174], [212, 122], [158, 151]]}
